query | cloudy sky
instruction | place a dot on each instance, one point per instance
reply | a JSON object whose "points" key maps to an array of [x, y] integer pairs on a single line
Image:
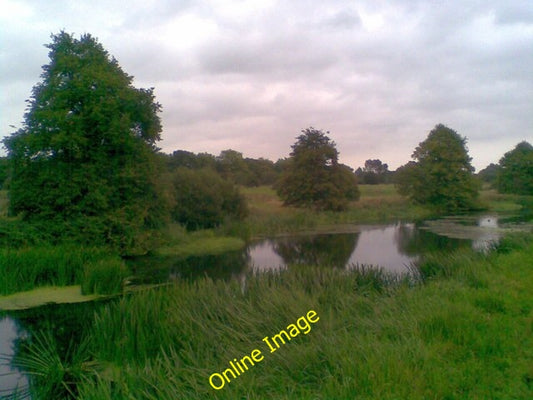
{"points": [[249, 75]]}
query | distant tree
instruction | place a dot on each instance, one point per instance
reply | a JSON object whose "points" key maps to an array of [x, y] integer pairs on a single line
{"points": [[204, 200], [374, 172], [515, 174], [84, 159], [231, 165], [489, 174], [183, 158], [442, 175], [313, 177], [262, 172]]}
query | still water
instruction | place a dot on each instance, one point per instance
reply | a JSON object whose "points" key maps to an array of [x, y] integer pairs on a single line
{"points": [[394, 247]]}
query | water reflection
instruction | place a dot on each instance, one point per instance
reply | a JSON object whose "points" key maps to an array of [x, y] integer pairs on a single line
{"points": [[483, 231], [327, 249], [381, 247], [391, 247], [11, 379]]}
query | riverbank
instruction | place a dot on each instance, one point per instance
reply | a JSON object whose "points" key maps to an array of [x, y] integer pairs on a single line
{"points": [[466, 332], [378, 204]]}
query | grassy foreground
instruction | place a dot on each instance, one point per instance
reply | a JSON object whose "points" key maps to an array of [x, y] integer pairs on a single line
{"points": [[465, 333]]}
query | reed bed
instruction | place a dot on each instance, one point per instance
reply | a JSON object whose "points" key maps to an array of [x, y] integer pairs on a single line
{"points": [[464, 332]]}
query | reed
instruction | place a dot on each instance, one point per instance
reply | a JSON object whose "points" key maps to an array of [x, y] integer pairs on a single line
{"points": [[465, 332], [24, 269]]}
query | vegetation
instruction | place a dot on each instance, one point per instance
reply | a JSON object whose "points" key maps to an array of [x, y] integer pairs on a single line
{"points": [[489, 174], [442, 175], [3, 172], [268, 215], [230, 164], [515, 173], [84, 160], [313, 178], [87, 186], [465, 332], [202, 199], [28, 268], [373, 173]]}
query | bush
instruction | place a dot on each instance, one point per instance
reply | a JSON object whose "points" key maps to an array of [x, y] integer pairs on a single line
{"points": [[204, 200]]}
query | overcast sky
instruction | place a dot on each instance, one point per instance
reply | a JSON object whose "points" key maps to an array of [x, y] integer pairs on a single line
{"points": [[250, 75]]}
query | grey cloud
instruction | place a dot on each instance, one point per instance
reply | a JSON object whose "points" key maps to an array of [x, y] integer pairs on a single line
{"points": [[289, 65]]}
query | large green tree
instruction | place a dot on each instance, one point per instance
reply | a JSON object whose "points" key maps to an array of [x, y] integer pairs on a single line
{"points": [[441, 176], [84, 159], [515, 174], [313, 177]]}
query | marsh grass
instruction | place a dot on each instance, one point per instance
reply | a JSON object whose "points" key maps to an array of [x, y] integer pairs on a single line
{"points": [[268, 216], [465, 332], [105, 276], [23, 269], [53, 375]]}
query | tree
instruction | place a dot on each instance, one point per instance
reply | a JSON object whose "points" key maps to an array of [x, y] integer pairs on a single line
{"points": [[489, 174], [231, 165], [313, 177], [515, 174], [84, 159], [204, 200], [442, 175], [374, 172]]}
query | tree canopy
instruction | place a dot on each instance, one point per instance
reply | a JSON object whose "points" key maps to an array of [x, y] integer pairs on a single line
{"points": [[84, 157], [442, 175], [203, 199], [515, 174], [374, 172], [313, 177]]}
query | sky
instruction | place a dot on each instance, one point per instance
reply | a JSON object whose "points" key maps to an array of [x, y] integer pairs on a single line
{"points": [[250, 75]]}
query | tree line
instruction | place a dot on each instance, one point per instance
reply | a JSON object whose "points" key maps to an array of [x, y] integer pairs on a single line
{"points": [[85, 164]]}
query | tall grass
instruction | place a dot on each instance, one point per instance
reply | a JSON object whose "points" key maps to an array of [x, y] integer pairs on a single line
{"points": [[27, 268], [465, 333], [268, 216]]}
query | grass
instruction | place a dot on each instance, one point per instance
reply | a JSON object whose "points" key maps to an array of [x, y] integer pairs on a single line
{"points": [[377, 204], [24, 269], [466, 333], [268, 216], [204, 242]]}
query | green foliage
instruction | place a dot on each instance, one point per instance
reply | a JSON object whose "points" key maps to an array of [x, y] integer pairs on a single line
{"points": [[27, 268], [230, 164], [515, 174], [470, 324], [489, 173], [53, 375], [313, 178], [204, 200], [104, 276], [442, 177], [85, 155], [3, 172], [374, 172]]}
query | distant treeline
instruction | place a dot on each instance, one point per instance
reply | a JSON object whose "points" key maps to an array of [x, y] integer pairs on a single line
{"points": [[246, 171]]}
